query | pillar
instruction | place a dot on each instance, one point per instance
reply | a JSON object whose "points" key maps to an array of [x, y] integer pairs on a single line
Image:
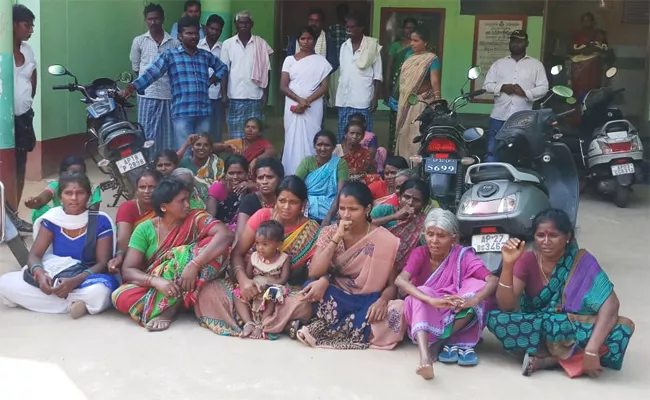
{"points": [[7, 142], [220, 7]]}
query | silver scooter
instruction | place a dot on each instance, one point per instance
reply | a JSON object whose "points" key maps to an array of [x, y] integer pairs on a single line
{"points": [[536, 172]]}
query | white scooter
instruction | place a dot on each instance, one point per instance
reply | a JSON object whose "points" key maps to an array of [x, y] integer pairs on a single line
{"points": [[615, 151]]}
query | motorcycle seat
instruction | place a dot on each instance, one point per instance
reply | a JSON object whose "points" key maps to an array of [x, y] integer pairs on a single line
{"points": [[495, 174], [107, 129]]}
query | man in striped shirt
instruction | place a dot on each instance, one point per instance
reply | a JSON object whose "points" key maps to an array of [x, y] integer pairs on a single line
{"points": [[188, 68]]}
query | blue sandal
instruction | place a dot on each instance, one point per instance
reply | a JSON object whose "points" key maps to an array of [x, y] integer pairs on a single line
{"points": [[448, 355], [467, 358]]}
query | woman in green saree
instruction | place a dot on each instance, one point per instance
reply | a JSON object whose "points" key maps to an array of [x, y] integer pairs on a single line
{"points": [[556, 305], [170, 258]]}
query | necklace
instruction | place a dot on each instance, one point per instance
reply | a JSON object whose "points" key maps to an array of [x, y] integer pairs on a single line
{"points": [[540, 263], [73, 233], [264, 203], [158, 230]]}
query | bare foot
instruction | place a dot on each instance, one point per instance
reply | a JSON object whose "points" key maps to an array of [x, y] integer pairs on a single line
{"points": [[161, 322], [425, 371], [78, 309], [249, 327], [257, 333]]}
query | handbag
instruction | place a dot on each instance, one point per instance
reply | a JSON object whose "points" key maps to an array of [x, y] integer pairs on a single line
{"points": [[88, 254]]}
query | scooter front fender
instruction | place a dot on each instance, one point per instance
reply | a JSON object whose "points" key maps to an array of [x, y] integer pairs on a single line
{"points": [[625, 180]]}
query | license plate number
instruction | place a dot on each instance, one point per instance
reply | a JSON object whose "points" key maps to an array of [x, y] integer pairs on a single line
{"points": [[622, 169], [130, 163], [440, 166], [492, 242]]}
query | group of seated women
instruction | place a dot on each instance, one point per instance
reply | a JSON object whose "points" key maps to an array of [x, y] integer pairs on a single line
{"points": [[330, 261]]}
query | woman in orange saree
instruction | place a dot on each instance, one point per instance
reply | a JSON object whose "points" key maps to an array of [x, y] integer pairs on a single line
{"points": [[182, 249]]}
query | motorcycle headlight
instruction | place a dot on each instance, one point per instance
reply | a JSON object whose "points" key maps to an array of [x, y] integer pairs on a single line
{"points": [[509, 203], [636, 144], [498, 206]]}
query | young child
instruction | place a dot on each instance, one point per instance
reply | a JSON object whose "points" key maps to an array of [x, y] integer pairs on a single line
{"points": [[371, 143], [270, 268]]}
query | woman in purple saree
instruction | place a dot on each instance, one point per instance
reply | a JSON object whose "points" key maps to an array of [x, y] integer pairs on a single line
{"points": [[449, 295]]}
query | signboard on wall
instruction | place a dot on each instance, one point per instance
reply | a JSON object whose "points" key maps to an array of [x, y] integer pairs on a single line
{"points": [[491, 38]]}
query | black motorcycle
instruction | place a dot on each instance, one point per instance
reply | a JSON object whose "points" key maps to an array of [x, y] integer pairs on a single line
{"points": [[120, 143], [444, 152]]}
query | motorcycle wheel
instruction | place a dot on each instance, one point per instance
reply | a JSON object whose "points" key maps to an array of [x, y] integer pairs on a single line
{"points": [[622, 196]]}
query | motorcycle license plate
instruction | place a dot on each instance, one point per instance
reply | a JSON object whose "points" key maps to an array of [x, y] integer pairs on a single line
{"points": [[491, 242], [440, 166], [130, 163], [622, 169]]}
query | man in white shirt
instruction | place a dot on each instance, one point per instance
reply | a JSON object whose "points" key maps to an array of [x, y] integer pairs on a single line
{"points": [[516, 81], [360, 78], [154, 106], [211, 43], [246, 93], [24, 91]]}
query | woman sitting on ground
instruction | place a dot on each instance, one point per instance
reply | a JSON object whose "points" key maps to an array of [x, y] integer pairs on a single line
{"points": [[449, 294], [69, 165], [67, 263], [400, 178], [556, 304], [407, 220], [353, 272], [215, 308], [361, 165], [225, 196], [131, 214], [370, 142], [252, 146], [170, 258], [166, 162], [386, 187], [324, 175], [206, 166], [185, 175]]}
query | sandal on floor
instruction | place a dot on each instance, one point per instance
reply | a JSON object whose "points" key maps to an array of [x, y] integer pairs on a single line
{"points": [[425, 371], [528, 366], [294, 326], [467, 358], [448, 355]]}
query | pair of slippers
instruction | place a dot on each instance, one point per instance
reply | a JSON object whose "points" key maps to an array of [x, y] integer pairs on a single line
{"points": [[454, 355]]}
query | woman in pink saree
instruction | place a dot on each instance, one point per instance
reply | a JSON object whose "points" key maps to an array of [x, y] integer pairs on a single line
{"points": [[449, 295]]}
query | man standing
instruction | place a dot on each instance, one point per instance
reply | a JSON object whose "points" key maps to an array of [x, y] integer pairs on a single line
{"points": [[24, 91], [247, 91], [325, 44], [211, 43], [516, 81], [154, 106], [339, 34], [361, 74], [190, 78], [192, 8]]}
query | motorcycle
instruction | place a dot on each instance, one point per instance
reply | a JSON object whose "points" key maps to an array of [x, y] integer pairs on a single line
{"points": [[536, 172], [615, 153], [444, 146], [120, 142]]}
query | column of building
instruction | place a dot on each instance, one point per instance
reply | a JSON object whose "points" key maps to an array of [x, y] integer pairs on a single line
{"points": [[7, 142]]}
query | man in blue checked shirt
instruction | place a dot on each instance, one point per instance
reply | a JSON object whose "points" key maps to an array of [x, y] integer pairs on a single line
{"points": [[189, 75]]}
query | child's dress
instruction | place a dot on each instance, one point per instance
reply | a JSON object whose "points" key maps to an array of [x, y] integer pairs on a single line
{"points": [[370, 140], [274, 293]]}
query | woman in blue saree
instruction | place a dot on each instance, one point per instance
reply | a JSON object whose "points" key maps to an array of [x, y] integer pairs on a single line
{"points": [[324, 175], [556, 305]]}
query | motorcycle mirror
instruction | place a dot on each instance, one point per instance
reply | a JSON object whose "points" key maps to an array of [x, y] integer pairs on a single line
{"points": [[472, 134], [571, 100], [556, 69], [562, 91], [57, 70], [125, 77], [611, 72], [474, 73], [148, 144], [103, 163]]}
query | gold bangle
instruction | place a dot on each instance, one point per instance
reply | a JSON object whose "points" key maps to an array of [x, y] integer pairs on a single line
{"points": [[504, 285], [589, 353]]}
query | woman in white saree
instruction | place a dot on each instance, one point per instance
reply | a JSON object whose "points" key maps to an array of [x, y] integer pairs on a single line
{"points": [[304, 82]]}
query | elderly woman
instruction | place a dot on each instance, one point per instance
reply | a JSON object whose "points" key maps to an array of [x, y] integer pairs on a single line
{"points": [[131, 214], [406, 221], [170, 258], [67, 263], [324, 175], [225, 196], [556, 304], [187, 177], [206, 166], [215, 308], [449, 291], [353, 272]]}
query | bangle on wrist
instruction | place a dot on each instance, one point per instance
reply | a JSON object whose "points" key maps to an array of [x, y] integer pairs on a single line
{"points": [[89, 271], [120, 253], [34, 267], [147, 281], [504, 285], [591, 354]]}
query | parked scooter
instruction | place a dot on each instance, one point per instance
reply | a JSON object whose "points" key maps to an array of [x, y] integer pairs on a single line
{"points": [[120, 142], [444, 146], [615, 153], [536, 172]]}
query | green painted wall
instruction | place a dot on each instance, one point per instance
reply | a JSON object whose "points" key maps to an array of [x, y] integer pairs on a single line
{"points": [[458, 43]]}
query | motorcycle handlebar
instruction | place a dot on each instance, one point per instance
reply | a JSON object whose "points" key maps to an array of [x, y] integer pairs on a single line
{"points": [[565, 113], [62, 87], [475, 93]]}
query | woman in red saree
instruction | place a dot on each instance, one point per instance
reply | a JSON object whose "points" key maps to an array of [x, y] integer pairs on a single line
{"points": [[252, 146], [361, 164], [181, 249], [586, 58]]}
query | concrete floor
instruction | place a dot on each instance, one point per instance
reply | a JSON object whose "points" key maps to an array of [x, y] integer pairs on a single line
{"points": [[109, 357]]}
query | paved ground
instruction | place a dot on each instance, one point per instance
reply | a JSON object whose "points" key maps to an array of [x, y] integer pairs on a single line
{"points": [[109, 357]]}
